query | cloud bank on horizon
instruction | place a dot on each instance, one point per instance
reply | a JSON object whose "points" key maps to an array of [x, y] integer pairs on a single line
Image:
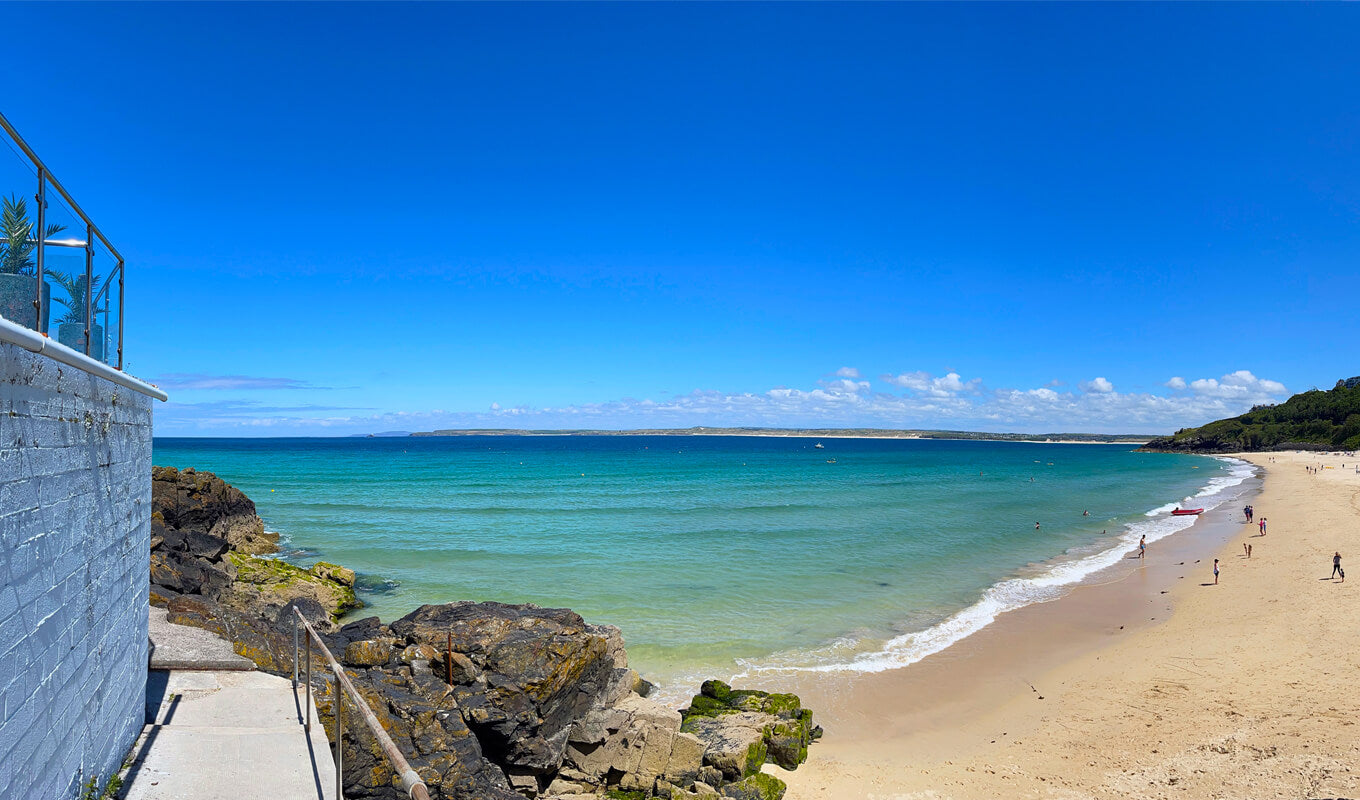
{"points": [[842, 399]]}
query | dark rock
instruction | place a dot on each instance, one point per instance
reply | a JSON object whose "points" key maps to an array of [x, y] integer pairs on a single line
{"points": [[367, 653], [188, 500], [205, 545], [425, 726]]}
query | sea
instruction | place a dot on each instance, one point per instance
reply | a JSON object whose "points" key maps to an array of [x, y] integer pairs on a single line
{"points": [[719, 555]]}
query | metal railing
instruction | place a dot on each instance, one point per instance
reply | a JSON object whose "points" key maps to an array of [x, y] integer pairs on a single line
{"points": [[415, 787], [40, 242]]}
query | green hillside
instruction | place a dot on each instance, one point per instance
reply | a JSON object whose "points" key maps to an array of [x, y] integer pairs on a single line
{"points": [[1315, 420]]}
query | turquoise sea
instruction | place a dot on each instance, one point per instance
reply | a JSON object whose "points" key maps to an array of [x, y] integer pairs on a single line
{"points": [[718, 555]]}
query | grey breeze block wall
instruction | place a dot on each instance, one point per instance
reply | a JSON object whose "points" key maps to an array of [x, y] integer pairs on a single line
{"points": [[75, 528]]}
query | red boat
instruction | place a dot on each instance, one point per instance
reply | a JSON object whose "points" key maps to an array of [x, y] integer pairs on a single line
{"points": [[1186, 512]]}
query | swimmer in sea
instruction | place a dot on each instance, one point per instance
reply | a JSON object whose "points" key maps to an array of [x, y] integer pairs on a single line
{"points": [[1086, 513], [1036, 526]]}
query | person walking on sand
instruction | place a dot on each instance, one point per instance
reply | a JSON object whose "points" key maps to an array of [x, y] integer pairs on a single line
{"points": [[1215, 572], [1142, 546], [1248, 551], [1336, 567], [1263, 526]]}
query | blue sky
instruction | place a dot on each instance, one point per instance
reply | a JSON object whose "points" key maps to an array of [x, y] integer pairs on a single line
{"points": [[349, 218]]}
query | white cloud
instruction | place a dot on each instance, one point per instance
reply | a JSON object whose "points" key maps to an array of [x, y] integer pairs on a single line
{"points": [[848, 372], [920, 401], [1176, 383], [923, 383], [1098, 385], [1239, 385], [845, 386]]}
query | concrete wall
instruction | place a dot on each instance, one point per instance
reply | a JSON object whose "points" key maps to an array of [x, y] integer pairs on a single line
{"points": [[75, 527]]}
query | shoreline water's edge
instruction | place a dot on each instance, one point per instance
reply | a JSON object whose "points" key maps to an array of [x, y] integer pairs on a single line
{"points": [[1052, 581]]}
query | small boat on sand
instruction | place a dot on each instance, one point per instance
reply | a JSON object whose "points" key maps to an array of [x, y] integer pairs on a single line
{"points": [[1186, 512]]}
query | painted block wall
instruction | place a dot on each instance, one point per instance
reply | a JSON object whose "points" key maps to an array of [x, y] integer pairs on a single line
{"points": [[75, 528]]}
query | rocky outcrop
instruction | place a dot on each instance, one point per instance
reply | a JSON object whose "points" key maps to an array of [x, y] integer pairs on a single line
{"points": [[485, 700], [191, 501], [206, 541]]}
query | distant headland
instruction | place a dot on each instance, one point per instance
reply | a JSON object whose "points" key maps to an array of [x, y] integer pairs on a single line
{"points": [[1311, 420], [813, 433]]}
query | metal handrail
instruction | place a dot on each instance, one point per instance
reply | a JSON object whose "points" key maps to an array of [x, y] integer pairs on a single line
{"points": [[45, 178], [415, 787]]}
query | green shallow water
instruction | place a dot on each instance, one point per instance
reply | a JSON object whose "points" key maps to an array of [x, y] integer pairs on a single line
{"points": [[714, 554]]}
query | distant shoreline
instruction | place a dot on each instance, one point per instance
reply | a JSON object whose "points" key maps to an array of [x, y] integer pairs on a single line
{"points": [[815, 433]]}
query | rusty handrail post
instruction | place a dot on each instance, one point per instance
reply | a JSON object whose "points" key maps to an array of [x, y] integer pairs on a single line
{"points": [[410, 781]]}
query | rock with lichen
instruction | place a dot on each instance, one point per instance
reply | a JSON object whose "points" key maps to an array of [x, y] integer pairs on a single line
{"points": [[744, 728]]}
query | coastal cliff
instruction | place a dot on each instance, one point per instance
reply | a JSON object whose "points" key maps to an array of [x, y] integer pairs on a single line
{"points": [[486, 700], [1312, 420]]}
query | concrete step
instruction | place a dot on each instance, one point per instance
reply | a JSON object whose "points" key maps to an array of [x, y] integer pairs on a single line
{"points": [[228, 735], [180, 647]]}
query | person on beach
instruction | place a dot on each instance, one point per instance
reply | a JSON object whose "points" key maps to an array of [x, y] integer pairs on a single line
{"points": [[1336, 567], [1245, 550], [1142, 546], [1262, 526], [1215, 572], [1248, 551]]}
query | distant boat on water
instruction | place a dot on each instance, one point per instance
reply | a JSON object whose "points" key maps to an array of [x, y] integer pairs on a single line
{"points": [[819, 446], [831, 461]]}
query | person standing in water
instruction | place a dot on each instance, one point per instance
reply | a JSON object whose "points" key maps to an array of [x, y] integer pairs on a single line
{"points": [[1336, 567], [1142, 546], [1215, 572], [1036, 526]]}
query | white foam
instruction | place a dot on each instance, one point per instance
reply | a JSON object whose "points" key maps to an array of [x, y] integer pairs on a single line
{"points": [[1006, 595]]}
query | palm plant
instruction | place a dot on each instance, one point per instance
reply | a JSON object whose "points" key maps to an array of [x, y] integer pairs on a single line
{"points": [[16, 252], [75, 296]]}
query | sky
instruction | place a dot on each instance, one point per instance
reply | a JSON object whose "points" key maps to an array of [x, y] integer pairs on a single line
{"points": [[352, 218]]}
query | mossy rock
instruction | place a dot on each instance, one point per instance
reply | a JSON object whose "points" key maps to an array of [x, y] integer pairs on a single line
{"points": [[274, 582], [786, 734], [755, 787]]}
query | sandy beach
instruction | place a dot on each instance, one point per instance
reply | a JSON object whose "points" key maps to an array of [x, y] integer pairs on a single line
{"points": [[1154, 683]]}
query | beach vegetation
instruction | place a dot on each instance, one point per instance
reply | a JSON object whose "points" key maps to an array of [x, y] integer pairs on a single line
{"points": [[1311, 420]]}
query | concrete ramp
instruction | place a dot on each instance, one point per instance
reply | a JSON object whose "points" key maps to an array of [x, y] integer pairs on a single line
{"points": [[228, 735]]}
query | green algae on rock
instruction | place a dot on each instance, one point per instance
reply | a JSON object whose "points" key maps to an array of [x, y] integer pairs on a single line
{"points": [[272, 582], [745, 728]]}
